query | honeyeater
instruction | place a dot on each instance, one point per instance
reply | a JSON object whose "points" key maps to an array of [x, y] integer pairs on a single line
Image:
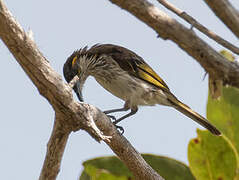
{"points": [[126, 75]]}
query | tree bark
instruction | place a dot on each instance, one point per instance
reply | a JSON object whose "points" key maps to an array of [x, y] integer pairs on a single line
{"points": [[55, 150], [73, 116], [200, 27], [224, 10], [70, 115]]}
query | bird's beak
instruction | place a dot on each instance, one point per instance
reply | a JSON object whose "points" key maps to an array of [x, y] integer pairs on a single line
{"points": [[77, 88]]}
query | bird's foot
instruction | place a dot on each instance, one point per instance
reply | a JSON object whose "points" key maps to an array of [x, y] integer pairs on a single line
{"points": [[120, 128], [111, 117]]}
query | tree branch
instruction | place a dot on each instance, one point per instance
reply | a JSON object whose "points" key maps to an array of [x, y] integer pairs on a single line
{"points": [[199, 26], [55, 150], [70, 115], [227, 13], [168, 28]]}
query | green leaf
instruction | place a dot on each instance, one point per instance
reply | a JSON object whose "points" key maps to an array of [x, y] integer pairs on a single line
{"points": [[211, 157], [224, 113], [84, 176], [112, 168], [168, 168], [105, 168]]}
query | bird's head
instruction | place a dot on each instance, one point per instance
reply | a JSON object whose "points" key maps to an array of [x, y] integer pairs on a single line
{"points": [[72, 67]]}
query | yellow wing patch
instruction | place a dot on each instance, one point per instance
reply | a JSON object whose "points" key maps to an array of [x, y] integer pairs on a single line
{"points": [[148, 74]]}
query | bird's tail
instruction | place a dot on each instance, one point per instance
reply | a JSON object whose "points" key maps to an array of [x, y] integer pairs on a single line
{"points": [[183, 108]]}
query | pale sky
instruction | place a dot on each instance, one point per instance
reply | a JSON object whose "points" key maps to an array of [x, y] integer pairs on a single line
{"points": [[59, 28]]}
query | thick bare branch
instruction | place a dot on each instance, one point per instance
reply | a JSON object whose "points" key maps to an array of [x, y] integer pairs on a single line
{"points": [[125, 151], [55, 150], [70, 115], [48, 82], [199, 26], [227, 13], [168, 28], [130, 157]]}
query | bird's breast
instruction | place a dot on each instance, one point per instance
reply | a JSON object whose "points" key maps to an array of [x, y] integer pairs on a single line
{"points": [[134, 90]]}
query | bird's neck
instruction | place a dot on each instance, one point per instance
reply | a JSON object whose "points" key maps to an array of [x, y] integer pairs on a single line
{"points": [[99, 67], [86, 64]]}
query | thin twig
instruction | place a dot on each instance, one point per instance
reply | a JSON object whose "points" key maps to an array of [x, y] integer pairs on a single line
{"points": [[199, 26]]}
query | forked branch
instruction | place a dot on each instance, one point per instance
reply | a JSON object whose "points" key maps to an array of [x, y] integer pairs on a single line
{"points": [[70, 115]]}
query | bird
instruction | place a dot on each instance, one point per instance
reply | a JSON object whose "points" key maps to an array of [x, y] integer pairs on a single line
{"points": [[127, 76]]}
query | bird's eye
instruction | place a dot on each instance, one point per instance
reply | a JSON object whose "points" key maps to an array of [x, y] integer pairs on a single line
{"points": [[74, 61]]}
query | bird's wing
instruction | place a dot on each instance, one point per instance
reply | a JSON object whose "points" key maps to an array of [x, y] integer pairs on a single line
{"points": [[130, 62], [146, 73]]}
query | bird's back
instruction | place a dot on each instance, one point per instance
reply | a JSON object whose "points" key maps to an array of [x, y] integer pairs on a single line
{"points": [[129, 62]]}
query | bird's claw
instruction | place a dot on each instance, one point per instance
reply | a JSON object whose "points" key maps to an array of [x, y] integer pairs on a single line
{"points": [[112, 117], [120, 128]]}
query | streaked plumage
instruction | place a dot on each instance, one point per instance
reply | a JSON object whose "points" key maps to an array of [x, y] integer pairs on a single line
{"points": [[127, 76]]}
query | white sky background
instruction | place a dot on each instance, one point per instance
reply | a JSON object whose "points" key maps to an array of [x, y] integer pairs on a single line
{"points": [[61, 27]]}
